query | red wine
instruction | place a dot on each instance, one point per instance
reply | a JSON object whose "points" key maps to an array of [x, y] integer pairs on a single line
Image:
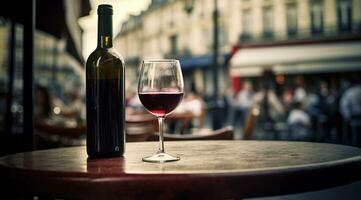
{"points": [[105, 93], [160, 103]]}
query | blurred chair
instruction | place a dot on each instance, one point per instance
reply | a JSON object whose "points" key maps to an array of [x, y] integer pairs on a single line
{"points": [[54, 136], [225, 133], [139, 127], [299, 132], [249, 124]]}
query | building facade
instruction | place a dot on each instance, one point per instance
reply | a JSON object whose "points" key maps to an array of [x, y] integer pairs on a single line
{"points": [[316, 39], [167, 30]]}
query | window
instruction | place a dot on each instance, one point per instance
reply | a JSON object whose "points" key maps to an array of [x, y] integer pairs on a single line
{"points": [[316, 9], [173, 45], [246, 24], [344, 15], [267, 22], [291, 17]]}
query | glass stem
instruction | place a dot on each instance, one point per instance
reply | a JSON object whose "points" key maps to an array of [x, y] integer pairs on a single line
{"points": [[161, 138]]}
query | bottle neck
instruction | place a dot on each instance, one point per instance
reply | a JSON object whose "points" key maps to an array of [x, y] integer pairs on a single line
{"points": [[105, 31]]}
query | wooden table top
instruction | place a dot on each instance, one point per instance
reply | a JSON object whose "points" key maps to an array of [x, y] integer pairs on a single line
{"points": [[207, 169]]}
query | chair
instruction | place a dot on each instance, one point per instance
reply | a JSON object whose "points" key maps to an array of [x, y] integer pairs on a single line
{"points": [[249, 124], [54, 136], [139, 127], [225, 133], [299, 132]]}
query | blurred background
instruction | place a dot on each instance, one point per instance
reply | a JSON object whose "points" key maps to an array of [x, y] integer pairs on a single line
{"points": [[269, 69]]}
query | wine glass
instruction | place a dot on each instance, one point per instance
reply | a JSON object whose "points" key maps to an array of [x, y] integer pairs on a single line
{"points": [[160, 90]]}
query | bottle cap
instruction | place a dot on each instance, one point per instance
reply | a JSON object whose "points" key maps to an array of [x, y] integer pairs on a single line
{"points": [[105, 9]]}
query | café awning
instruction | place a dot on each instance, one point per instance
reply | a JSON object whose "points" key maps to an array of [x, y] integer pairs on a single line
{"points": [[203, 61], [308, 58]]}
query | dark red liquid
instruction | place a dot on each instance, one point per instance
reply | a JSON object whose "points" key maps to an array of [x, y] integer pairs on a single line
{"points": [[160, 103]]}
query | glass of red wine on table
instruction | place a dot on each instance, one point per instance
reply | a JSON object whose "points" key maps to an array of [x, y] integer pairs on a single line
{"points": [[160, 90]]}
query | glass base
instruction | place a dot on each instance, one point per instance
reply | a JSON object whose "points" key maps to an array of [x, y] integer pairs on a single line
{"points": [[160, 158]]}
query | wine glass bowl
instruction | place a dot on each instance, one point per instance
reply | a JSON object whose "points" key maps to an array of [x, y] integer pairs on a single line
{"points": [[160, 103], [160, 90]]}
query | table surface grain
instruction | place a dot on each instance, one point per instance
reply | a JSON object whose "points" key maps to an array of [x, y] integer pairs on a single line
{"points": [[219, 169]]}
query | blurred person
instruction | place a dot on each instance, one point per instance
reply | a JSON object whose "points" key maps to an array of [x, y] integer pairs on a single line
{"points": [[287, 99], [344, 85], [43, 104], [337, 120], [298, 115], [299, 123], [271, 109], [50, 119], [74, 107], [350, 105], [243, 102], [334, 121], [193, 104], [311, 106], [325, 104], [228, 99], [300, 92], [270, 104], [350, 109]]}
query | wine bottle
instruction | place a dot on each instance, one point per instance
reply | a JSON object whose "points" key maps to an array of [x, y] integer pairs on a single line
{"points": [[105, 99]]}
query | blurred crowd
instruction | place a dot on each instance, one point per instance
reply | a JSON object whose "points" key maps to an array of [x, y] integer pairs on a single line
{"points": [[316, 111], [309, 112], [298, 112]]}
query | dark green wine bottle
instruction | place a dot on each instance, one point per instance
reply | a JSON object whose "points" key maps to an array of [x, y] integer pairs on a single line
{"points": [[105, 99]]}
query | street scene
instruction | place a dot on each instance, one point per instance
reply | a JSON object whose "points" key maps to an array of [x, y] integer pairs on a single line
{"points": [[268, 71]]}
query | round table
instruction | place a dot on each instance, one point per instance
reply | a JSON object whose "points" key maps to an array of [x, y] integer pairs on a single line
{"points": [[207, 170]]}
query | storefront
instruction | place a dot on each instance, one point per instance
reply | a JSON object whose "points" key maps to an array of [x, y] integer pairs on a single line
{"points": [[198, 73], [301, 59]]}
